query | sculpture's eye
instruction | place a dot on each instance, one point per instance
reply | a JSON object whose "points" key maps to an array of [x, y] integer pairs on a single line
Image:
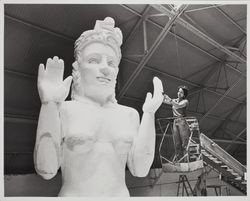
{"points": [[93, 60], [111, 62]]}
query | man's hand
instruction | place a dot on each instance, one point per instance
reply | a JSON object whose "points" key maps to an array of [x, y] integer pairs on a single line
{"points": [[152, 104], [167, 99], [51, 86]]}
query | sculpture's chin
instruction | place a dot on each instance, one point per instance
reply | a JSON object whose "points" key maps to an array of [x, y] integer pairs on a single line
{"points": [[98, 93]]}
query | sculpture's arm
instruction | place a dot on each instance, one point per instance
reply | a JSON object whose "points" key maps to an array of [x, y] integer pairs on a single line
{"points": [[48, 140], [52, 91], [141, 155]]}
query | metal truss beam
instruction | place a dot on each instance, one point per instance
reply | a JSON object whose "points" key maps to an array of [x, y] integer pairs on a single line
{"points": [[221, 98], [227, 118], [191, 112], [20, 74], [204, 79], [215, 140], [242, 47], [236, 137], [20, 119], [233, 135], [195, 23], [182, 80], [145, 38], [203, 8], [151, 51], [228, 141], [188, 42], [60, 35], [135, 28], [221, 60], [202, 69], [199, 33], [230, 19]]}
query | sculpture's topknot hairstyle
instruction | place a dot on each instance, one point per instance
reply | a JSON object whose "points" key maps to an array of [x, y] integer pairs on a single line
{"points": [[104, 32]]}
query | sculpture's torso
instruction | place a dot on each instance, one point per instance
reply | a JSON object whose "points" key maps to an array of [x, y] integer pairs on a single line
{"points": [[96, 142]]}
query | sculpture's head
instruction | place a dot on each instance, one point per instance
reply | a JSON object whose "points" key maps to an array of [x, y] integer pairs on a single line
{"points": [[97, 56]]}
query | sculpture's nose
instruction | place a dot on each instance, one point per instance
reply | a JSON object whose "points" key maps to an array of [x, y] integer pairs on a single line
{"points": [[105, 70]]}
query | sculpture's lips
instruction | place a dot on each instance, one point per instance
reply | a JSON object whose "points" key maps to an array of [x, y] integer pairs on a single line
{"points": [[103, 79]]}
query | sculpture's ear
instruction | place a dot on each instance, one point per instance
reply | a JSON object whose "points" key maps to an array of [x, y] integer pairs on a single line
{"points": [[75, 65]]}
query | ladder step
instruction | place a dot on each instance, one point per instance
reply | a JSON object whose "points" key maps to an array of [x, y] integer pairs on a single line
{"points": [[194, 153], [194, 150], [194, 144], [224, 166], [212, 158], [193, 157], [235, 174], [238, 178], [245, 176]]}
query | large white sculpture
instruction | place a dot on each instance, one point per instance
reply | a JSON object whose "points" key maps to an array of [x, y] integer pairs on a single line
{"points": [[92, 137]]}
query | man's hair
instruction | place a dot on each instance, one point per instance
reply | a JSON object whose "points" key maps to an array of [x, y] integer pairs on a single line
{"points": [[185, 90]]}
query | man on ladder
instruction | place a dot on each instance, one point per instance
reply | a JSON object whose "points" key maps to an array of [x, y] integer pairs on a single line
{"points": [[181, 131]]}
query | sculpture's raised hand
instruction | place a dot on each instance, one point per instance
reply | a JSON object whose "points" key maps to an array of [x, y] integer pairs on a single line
{"points": [[153, 103], [50, 83]]}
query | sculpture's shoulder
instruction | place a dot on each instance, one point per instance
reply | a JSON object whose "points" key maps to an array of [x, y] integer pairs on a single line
{"points": [[67, 105], [132, 112]]}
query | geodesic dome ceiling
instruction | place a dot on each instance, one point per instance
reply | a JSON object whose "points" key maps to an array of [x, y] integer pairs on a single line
{"points": [[201, 46]]}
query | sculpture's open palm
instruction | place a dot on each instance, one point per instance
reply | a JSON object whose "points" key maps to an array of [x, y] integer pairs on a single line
{"points": [[51, 86], [153, 103]]}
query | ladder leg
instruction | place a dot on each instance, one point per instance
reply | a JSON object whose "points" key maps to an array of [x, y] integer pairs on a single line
{"points": [[182, 180], [184, 184], [178, 187], [216, 191], [189, 185], [185, 188]]}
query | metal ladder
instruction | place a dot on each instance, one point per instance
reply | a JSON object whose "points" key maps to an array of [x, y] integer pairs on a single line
{"points": [[186, 187]]}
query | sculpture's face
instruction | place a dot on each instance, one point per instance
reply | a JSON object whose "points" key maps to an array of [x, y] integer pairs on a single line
{"points": [[98, 67]]}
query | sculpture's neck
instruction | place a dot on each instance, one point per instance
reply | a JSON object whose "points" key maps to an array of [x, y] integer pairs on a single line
{"points": [[98, 100]]}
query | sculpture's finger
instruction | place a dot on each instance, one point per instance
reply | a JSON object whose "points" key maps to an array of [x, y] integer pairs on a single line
{"points": [[60, 69], [148, 96], [48, 63], [54, 70], [55, 61], [41, 72], [158, 88], [67, 82], [56, 58]]}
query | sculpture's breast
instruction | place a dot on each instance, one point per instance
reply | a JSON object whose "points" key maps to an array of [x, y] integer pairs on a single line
{"points": [[79, 143], [84, 125], [79, 126]]}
